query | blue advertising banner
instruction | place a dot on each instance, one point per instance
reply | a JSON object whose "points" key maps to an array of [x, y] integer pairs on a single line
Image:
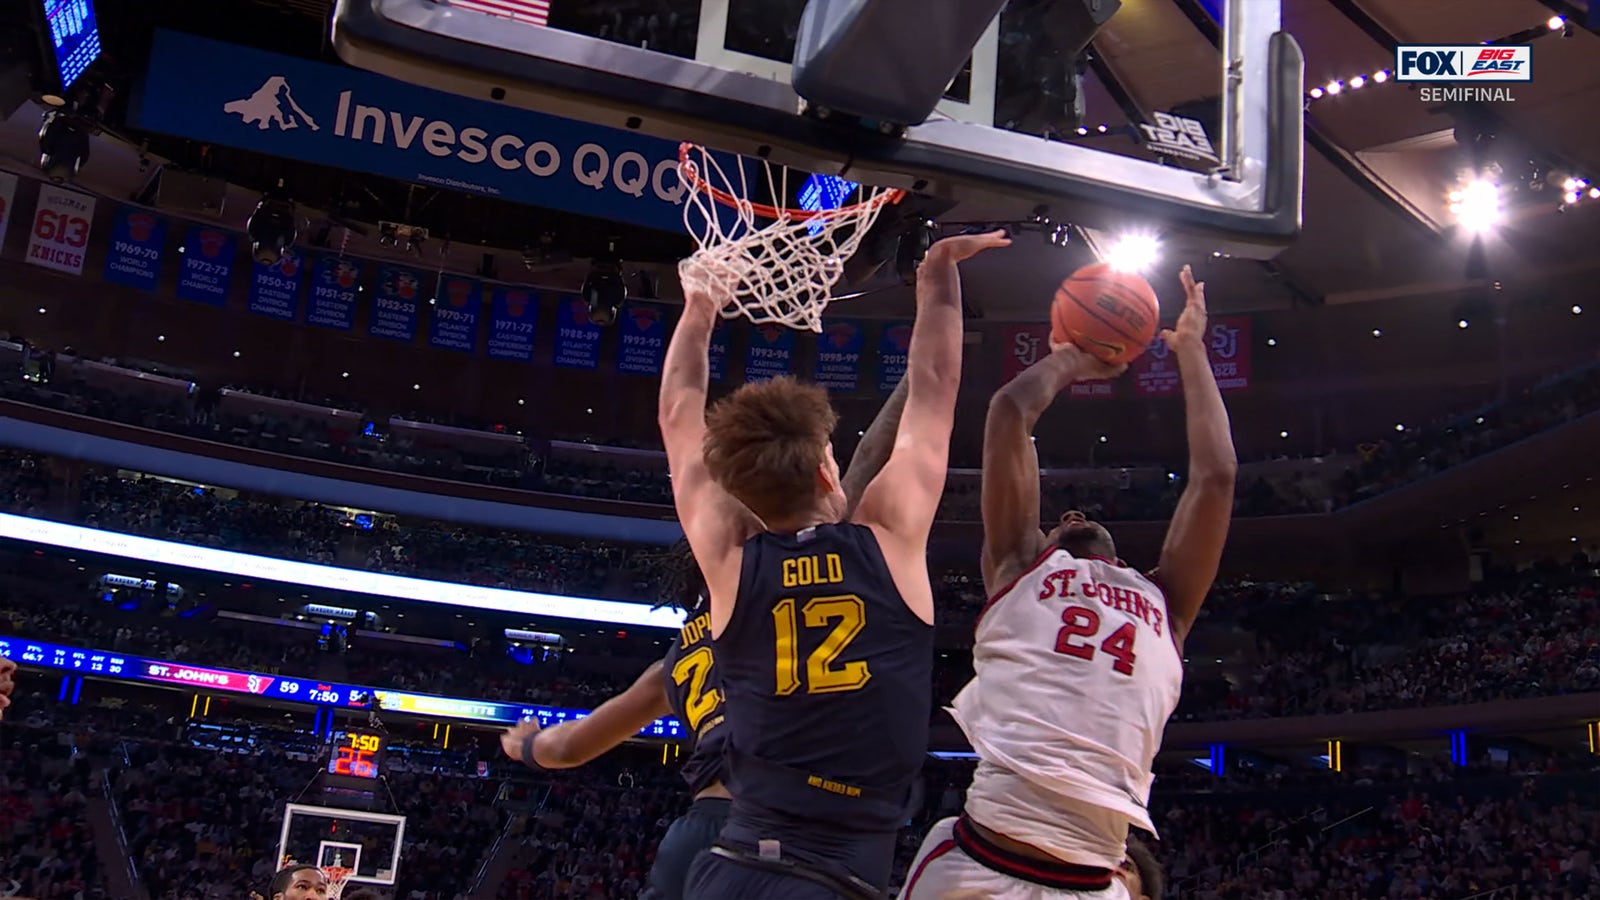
{"points": [[512, 314], [395, 304], [454, 324], [577, 338], [644, 340], [719, 351], [134, 257], [275, 289], [331, 301], [207, 270], [355, 120], [770, 352], [839, 356], [893, 346]]}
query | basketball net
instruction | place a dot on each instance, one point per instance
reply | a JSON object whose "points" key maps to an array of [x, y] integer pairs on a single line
{"points": [[773, 264], [338, 877]]}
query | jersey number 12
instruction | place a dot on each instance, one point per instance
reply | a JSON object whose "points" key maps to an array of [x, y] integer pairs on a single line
{"points": [[848, 615]]}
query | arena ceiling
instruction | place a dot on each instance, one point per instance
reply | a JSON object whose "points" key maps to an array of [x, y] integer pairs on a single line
{"points": [[1379, 162]]}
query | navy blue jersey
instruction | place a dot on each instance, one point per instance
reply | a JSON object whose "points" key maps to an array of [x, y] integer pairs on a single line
{"points": [[695, 694], [827, 677]]}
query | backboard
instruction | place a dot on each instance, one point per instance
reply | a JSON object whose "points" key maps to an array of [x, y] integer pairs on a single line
{"points": [[717, 72], [368, 843]]}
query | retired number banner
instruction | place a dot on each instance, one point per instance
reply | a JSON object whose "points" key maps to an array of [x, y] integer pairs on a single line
{"points": [[60, 229]]}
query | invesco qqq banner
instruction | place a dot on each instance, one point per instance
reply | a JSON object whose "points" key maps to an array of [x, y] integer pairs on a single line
{"points": [[349, 119]]}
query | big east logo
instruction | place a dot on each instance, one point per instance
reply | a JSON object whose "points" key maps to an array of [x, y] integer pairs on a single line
{"points": [[1469, 62]]}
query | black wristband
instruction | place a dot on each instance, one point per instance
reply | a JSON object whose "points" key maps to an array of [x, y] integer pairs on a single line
{"points": [[527, 752]]}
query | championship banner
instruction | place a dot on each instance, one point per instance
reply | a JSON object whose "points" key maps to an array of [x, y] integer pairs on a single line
{"points": [[331, 301], [893, 345], [133, 258], [363, 122], [577, 338], [644, 340], [454, 323], [395, 303], [719, 351], [513, 312], [207, 269], [838, 365], [8, 192], [1155, 374], [1027, 344], [275, 289], [60, 229], [770, 353]]}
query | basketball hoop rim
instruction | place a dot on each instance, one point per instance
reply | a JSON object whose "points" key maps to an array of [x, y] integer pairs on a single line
{"points": [[338, 878], [690, 173]]}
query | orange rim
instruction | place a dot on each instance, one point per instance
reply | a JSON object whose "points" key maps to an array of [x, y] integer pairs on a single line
{"points": [[691, 172]]}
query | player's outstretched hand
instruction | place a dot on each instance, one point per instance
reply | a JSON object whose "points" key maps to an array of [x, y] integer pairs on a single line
{"points": [[512, 738], [1083, 366], [1191, 327], [6, 684], [963, 247]]}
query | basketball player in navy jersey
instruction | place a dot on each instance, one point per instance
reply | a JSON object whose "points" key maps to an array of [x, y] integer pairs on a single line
{"points": [[1077, 655], [686, 684], [823, 621]]}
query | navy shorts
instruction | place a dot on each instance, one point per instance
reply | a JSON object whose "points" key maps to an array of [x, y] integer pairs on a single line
{"points": [[689, 834]]}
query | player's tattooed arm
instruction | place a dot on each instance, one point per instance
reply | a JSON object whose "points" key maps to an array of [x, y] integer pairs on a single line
{"points": [[875, 446], [1199, 530], [1010, 486]]}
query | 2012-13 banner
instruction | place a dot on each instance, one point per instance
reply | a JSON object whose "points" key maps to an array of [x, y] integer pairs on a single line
{"points": [[60, 231], [206, 272], [331, 300], [133, 255], [513, 312], [894, 344], [838, 363], [1155, 374], [1027, 344]]}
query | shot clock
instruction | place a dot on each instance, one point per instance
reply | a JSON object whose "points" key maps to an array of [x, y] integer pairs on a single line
{"points": [[356, 754]]}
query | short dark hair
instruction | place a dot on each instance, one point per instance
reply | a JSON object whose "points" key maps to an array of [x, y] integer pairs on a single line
{"points": [[764, 442], [682, 584], [285, 878], [1150, 875]]}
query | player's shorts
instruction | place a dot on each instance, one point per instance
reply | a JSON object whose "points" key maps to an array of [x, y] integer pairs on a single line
{"points": [[947, 867], [722, 874], [689, 834]]}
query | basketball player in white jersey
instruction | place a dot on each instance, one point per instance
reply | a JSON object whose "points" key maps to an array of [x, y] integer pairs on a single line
{"points": [[1077, 655]]}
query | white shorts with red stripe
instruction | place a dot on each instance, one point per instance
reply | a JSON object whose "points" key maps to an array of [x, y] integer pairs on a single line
{"points": [[945, 871]]}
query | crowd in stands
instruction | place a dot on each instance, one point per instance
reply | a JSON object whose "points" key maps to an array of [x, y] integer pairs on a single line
{"points": [[46, 845], [1353, 475]]}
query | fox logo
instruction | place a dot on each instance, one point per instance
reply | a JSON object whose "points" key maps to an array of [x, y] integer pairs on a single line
{"points": [[272, 104], [516, 304], [840, 336]]}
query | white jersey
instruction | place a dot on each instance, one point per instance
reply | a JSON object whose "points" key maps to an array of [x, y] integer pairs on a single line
{"points": [[1077, 671]]}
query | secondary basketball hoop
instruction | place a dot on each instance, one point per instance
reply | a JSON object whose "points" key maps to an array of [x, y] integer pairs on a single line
{"points": [[779, 264], [338, 877]]}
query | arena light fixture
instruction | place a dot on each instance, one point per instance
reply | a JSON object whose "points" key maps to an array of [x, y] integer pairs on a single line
{"points": [[1134, 252], [1477, 205]]}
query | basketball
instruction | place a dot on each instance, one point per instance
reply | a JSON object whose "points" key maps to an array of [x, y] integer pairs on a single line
{"points": [[1108, 314]]}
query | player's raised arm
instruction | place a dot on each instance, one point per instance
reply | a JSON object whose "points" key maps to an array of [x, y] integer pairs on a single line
{"points": [[579, 741], [6, 668], [1010, 488], [901, 501], [714, 522], [875, 446], [1193, 548]]}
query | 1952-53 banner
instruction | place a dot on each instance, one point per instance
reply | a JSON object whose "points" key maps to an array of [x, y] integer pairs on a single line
{"points": [[60, 229]]}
